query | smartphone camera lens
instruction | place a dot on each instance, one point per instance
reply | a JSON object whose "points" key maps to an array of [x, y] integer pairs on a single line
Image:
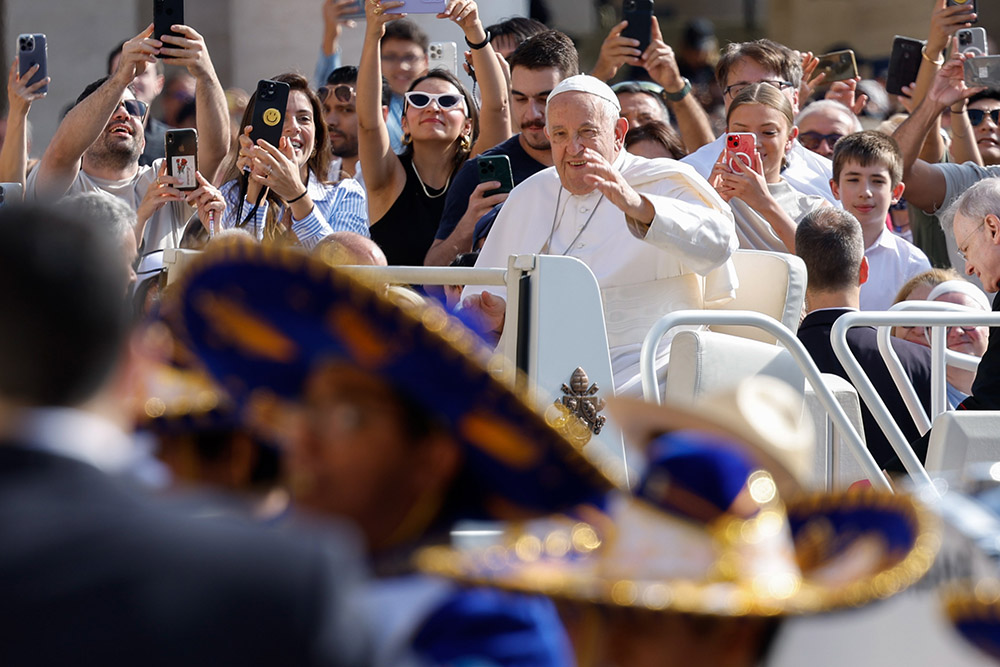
{"points": [[964, 38]]}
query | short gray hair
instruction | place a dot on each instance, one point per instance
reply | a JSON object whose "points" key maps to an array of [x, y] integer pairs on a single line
{"points": [[829, 106], [113, 215], [979, 201]]}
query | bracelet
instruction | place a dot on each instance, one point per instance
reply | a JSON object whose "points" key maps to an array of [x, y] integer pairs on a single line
{"points": [[292, 201], [680, 94], [480, 45], [923, 54]]}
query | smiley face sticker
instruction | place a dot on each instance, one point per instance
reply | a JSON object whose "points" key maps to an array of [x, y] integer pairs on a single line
{"points": [[272, 116]]}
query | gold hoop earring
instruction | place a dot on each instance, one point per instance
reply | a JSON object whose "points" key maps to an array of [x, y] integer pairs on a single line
{"points": [[465, 143], [407, 139]]}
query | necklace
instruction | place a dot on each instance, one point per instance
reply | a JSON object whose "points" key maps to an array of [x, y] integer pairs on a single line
{"points": [[424, 187], [555, 223]]}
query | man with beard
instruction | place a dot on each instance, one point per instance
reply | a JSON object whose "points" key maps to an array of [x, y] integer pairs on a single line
{"points": [[98, 144], [537, 66]]}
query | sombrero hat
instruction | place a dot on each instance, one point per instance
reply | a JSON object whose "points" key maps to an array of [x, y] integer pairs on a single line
{"points": [[974, 611], [708, 532], [261, 318]]}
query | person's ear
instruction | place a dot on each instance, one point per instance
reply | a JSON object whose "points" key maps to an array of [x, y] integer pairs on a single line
{"points": [[897, 192], [992, 224], [863, 271], [621, 129], [835, 189]]}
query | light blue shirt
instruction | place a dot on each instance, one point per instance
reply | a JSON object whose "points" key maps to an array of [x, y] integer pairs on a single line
{"points": [[336, 208]]}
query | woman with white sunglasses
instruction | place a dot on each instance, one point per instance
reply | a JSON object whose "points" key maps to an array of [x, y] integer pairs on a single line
{"points": [[441, 130]]}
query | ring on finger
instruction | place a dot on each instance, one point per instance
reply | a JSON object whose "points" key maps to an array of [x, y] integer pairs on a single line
{"points": [[378, 10]]}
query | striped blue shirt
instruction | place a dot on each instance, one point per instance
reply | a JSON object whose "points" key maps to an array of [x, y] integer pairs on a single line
{"points": [[336, 208]]}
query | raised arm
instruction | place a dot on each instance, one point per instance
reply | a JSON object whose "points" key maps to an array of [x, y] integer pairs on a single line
{"points": [[494, 116], [925, 184], [14, 154], [382, 169], [692, 121], [329, 47], [212, 112], [963, 136], [84, 123]]}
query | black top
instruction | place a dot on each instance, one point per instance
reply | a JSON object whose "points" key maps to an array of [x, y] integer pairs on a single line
{"points": [[814, 332], [986, 386], [93, 573], [407, 229]]}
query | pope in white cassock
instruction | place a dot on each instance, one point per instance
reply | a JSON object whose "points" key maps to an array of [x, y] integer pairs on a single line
{"points": [[655, 234]]}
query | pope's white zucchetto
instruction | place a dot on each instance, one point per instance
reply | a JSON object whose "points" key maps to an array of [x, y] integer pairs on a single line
{"points": [[584, 83]]}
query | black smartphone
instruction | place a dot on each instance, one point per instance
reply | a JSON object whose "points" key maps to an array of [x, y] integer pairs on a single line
{"points": [[965, 3], [268, 117], [496, 168], [639, 14], [165, 14], [355, 11], [11, 193], [904, 63], [181, 149], [983, 71], [838, 66], [33, 50]]}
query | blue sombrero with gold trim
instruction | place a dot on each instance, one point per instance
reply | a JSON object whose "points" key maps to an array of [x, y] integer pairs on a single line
{"points": [[261, 318], [711, 529], [974, 610]]}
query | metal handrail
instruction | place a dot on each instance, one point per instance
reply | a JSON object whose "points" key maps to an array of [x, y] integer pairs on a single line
{"points": [[938, 371], [428, 275], [838, 338], [647, 365]]}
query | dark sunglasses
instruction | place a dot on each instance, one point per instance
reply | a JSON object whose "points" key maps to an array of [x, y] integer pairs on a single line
{"points": [[134, 108], [419, 100], [812, 140], [976, 116]]}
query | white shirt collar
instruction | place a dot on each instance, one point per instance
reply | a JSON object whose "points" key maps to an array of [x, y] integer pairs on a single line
{"points": [[881, 241], [76, 434]]}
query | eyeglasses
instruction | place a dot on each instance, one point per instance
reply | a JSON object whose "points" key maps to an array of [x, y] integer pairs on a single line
{"points": [[410, 59], [812, 140], [965, 244], [134, 108], [737, 88], [419, 100], [342, 93], [977, 116]]}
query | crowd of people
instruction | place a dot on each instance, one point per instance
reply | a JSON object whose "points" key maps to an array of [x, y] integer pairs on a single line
{"points": [[361, 424]]}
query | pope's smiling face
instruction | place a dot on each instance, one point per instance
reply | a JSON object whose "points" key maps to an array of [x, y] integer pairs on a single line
{"points": [[578, 123]]}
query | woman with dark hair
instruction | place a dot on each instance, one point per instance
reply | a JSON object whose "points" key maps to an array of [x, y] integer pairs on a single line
{"points": [[654, 139], [441, 129], [281, 193]]}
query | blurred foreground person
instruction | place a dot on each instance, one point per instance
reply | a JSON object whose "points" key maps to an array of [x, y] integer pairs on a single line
{"points": [[390, 419], [86, 558], [718, 545]]}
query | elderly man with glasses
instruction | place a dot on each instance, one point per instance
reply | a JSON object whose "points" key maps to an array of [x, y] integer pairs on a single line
{"points": [[98, 144], [764, 61]]}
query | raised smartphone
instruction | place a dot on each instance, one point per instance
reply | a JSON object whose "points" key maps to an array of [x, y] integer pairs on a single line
{"points": [[904, 63], [11, 193], [496, 168], [983, 71], [972, 42], [165, 14], [420, 7], [268, 117], [443, 55], [740, 146], [33, 50], [838, 66], [181, 149], [639, 14]]}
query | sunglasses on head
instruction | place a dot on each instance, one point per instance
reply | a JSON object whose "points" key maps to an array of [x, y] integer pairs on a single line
{"points": [[134, 108], [419, 100], [976, 116]]}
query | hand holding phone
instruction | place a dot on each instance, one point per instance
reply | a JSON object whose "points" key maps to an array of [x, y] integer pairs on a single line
{"points": [[740, 146], [181, 149], [639, 14], [904, 63], [837, 66], [420, 7], [496, 168], [32, 49], [971, 4], [167, 13]]}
